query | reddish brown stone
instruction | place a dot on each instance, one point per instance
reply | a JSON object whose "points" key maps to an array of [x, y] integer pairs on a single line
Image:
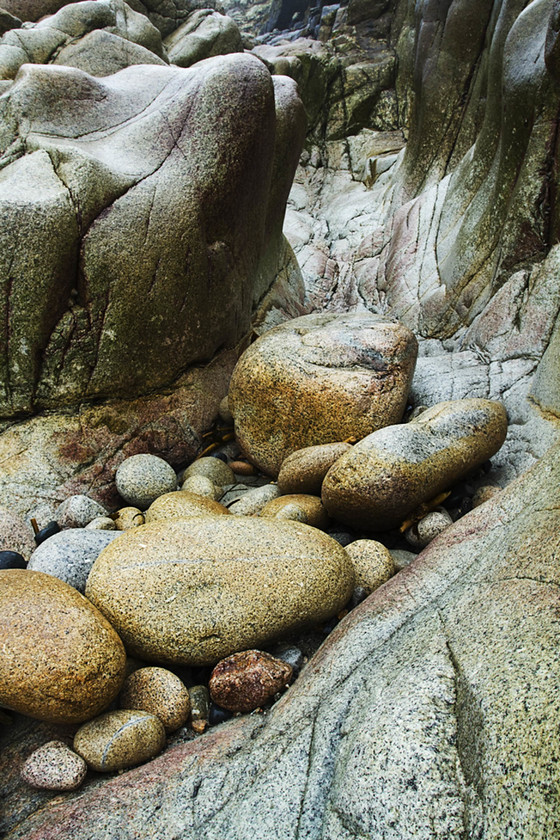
{"points": [[246, 680]]}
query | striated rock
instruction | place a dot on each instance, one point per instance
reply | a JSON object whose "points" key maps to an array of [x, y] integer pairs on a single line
{"points": [[298, 506], [389, 473], [205, 33], [372, 562], [159, 692], [62, 661], [54, 766], [78, 511], [319, 379], [15, 534], [142, 478], [247, 680], [213, 468], [253, 501], [69, 555], [181, 504], [304, 470], [195, 590], [118, 740]]}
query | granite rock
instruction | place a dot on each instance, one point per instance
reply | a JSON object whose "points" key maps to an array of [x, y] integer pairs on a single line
{"points": [[181, 504], [78, 511], [213, 468], [120, 739], [15, 534], [202, 486], [142, 478], [301, 507], [372, 562], [205, 33], [159, 692], [304, 470], [69, 555], [253, 501], [128, 517], [246, 680], [54, 766]]}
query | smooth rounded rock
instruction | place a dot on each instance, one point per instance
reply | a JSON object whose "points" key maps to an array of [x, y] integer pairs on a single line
{"points": [[120, 739], [15, 534], [54, 766], [304, 470], [300, 507], [372, 562], [246, 680], [101, 523], [484, 494], [254, 500], [182, 503], [202, 486], [160, 692], [70, 555], [128, 517], [77, 511], [142, 478], [224, 412], [317, 379], [388, 474], [216, 470], [12, 560], [61, 659], [428, 528], [196, 590], [402, 558]]}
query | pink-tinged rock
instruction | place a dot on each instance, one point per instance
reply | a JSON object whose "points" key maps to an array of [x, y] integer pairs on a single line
{"points": [[247, 680]]}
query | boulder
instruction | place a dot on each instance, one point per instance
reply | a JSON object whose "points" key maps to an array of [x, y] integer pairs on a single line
{"points": [[62, 661], [182, 504], [304, 470], [195, 590], [205, 33], [70, 554], [388, 474], [319, 379]]}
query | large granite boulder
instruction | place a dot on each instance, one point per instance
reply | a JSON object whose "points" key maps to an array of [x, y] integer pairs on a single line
{"points": [[203, 34]]}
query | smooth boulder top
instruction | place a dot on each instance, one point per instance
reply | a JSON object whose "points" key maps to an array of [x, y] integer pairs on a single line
{"points": [[392, 471], [196, 590], [182, 503], [61, 660], [320, 379]]}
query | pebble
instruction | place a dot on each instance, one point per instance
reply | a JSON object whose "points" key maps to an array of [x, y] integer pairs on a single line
{"points": [[200, 707], [215, 469], [78, 511], [120, 739], [291, 655], [202, 486], [182, 504], [54, 766], [218, 715], [317, 379], [128, 517], [12, 560], [160, 692], [50, 529], [246, 680], [304, 470], [343, 538], [484, 494], [243, 468], [224, 412], [253, 501], [70, 555], [359, 594], [61, 660], [428, 528], [372, 562], [101, 523], [15, 534], [140, 479], [402, 558], [389, 473], [300, 507], [192, 591]]}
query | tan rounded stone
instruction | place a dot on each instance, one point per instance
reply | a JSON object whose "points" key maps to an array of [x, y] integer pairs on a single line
{"points": [[121, 739], [299, 507], [373, 563], [196, 590], [160, 692], [388, 474], [61, 660], [321, 378], [304, 470], [215, 469], [254, 500], [246, 680], [128, 517], [54, 766], [182, 503], [202, 486], [101, 523]]}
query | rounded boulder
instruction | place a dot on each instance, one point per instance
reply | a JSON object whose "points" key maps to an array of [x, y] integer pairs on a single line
{"points": [[317, 379], [61, 659], [194, 591]]}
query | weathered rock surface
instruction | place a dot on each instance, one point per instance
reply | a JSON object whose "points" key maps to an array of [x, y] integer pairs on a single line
{"points": [[78, 511], [15, 534], [205, 33], [141, 479], [372, 562], [388, 474], [62, 661], [319, 379], [70, 555], [301, 507], [159, 692], [195, 590]]}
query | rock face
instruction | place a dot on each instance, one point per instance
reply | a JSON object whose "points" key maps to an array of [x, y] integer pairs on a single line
{"points": [[389, 473], [205, 33], [195, 590], [319, 379], [62, 661]]}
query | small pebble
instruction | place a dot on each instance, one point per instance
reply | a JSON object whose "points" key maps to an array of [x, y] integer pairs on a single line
{"points": [[200, 707], [128, 517], [429, 527], [220, 455], [224, 412], [359, 594], [372, 562], [291, 655], [300, 507], [142, 478], [101, 523], [12, 560], [47, 532], [120, 739], [343, 538], [402, 558], [202, 486], [253, 501], [77, 511], [215, 469], [246, 680], [242, 468], [484, 494], [54, 766], [218, 715], [160, 692]]}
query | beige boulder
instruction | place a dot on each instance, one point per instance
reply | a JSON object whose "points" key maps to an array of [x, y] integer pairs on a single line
{"points": [[300, 507], [196, 590], [373, 563], [182, 503], [61, 660], [392, 471], [159, 692], [304, 470], [317, 379], [120, 739]]}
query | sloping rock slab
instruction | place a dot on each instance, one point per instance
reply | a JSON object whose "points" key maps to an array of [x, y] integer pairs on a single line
{"points": [[430, 712]]}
